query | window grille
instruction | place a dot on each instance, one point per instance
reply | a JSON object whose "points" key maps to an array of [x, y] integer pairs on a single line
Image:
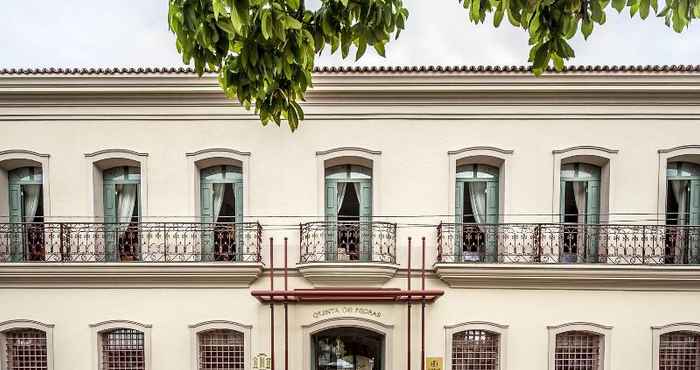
{"points": [[577, 350], [123, 349], [221, 349], [679, 351], [475, 350], [26, 349]]}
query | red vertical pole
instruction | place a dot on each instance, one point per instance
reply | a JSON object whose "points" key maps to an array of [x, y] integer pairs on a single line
{"points": [[286, 311], [408, 350], [422, 311], [272, 305]]}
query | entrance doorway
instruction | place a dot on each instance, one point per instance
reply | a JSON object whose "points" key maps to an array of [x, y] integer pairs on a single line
{"points": [[347, 348]]}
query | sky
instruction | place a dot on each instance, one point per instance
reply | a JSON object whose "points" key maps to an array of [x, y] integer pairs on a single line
{"points": [[131, 33]]}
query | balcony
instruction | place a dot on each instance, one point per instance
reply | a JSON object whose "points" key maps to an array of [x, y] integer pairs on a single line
{"points": [[569, 256], [347, 253]]}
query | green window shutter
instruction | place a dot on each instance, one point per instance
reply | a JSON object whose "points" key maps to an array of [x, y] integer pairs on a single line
{"points": [[365, 219], [240, 242], [331, 220], [207, 217], [562, 201], [16, 236], [459, 218], [492, 220], [694, 220], [109, 201], [592, 218]]}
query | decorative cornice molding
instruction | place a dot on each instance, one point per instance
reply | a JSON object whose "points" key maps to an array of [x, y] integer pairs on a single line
{"points": [[220, 322], [16, 323], [678, 324], [347, 274], [348, 149], [468, 323], [570, 277], [129, 275], [23, 152], [348, 318], [586, 147], [115, 152], [679, 148], [581, 323], [217, 150], [120, 322], [480, 148]]}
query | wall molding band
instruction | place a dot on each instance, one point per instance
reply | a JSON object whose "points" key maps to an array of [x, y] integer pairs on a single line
{"points": [[115, 151], [217, 150], [480, 148], [23, 152], [585, 147], [120, 322], [348, 149], [679, 148]]}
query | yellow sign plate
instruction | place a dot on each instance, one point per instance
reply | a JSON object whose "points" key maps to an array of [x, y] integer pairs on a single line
{"points": [[433, 363]]}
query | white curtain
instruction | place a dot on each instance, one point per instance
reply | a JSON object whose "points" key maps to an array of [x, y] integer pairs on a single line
{"points": [[580, 199], [477, 198], [126, 200], [680, 192], [218, 195], [356, 185], [341, 195], [31, 195]]}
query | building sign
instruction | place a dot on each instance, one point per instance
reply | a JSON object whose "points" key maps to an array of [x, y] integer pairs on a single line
{"points": [[433, 363], [347, 310], [262, 361]]}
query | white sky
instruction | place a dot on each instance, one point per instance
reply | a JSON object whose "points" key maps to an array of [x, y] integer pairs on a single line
{"points": [[101, 33]]}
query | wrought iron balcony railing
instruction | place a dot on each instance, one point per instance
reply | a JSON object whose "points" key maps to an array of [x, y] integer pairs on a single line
{"points": [[347, 241], [132, 242], [568, 243]]}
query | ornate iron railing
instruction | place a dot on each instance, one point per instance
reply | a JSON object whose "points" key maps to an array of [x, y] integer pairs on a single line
{"points": [[134, 242], [568, 243], [347, 242]]}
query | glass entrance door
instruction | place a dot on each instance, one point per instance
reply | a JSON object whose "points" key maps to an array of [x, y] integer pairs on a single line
{"points": [[348, 349]]}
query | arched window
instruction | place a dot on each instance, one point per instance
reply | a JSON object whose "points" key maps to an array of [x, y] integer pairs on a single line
{"points": [[679, 350], [221, 349], [348, 211], [579, 207], [26, 345], [578, 350], [476, 209], [26, 211], [475, 350], [682, 209], [122, 349], [121, 204], [221, 207]]}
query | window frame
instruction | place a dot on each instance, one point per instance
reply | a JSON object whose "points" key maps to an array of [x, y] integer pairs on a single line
{"points": [[658, 331], [27, 324], [501, 330], [101, 327], [602, 330], [205, 326]]}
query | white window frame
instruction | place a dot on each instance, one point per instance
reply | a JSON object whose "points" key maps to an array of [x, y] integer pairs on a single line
{"points": [[16, 158], [658, 331], [198, 328], [501, 330], [26, 324], [101, 327], [604, 331]]}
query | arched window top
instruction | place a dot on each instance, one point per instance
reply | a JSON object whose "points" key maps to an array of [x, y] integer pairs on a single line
{"points": [[122, 174], [26, 175], [478, 172], [221, 174], [348, 173], [579, 172], [683, 170]]}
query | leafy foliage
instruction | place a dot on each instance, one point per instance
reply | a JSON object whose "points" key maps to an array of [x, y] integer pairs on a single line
{"points": [[264, 50]]}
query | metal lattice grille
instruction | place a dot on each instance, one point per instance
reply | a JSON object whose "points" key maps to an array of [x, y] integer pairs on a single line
{"points": [[123, 349], [26, 349], [221, 349], [475, 350], [679, 351], [577, 350]]}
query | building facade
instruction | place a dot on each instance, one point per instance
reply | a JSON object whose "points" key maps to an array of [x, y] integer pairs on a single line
{"points": [[558, 220]]}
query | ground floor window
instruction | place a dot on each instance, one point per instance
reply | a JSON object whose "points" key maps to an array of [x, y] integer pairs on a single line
{"points": [[122, 349], [26, 349], [221, 349], [348, 348], [679, 350], [577, 350], [475, 350]]}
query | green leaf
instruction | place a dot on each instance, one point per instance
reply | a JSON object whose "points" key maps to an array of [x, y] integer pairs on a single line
{"points": [[644, 7], [361, 48], [617, 4], [218, 8], [498, 16], [291, 22], [236, 19], [294, 4], [266, 24], [379, 47], [586, 28]]}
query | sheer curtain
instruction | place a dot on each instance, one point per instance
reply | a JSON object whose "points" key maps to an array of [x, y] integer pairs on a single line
{"points": [[126, 200], [31, 194], [218, 195], [341, 196], [580, 199], [477, 198], [680, 192], [356, 185]]}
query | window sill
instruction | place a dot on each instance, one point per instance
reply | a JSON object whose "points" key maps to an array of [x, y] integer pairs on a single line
{"points": [[353, 274], [129, 275], [570, 277]]}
